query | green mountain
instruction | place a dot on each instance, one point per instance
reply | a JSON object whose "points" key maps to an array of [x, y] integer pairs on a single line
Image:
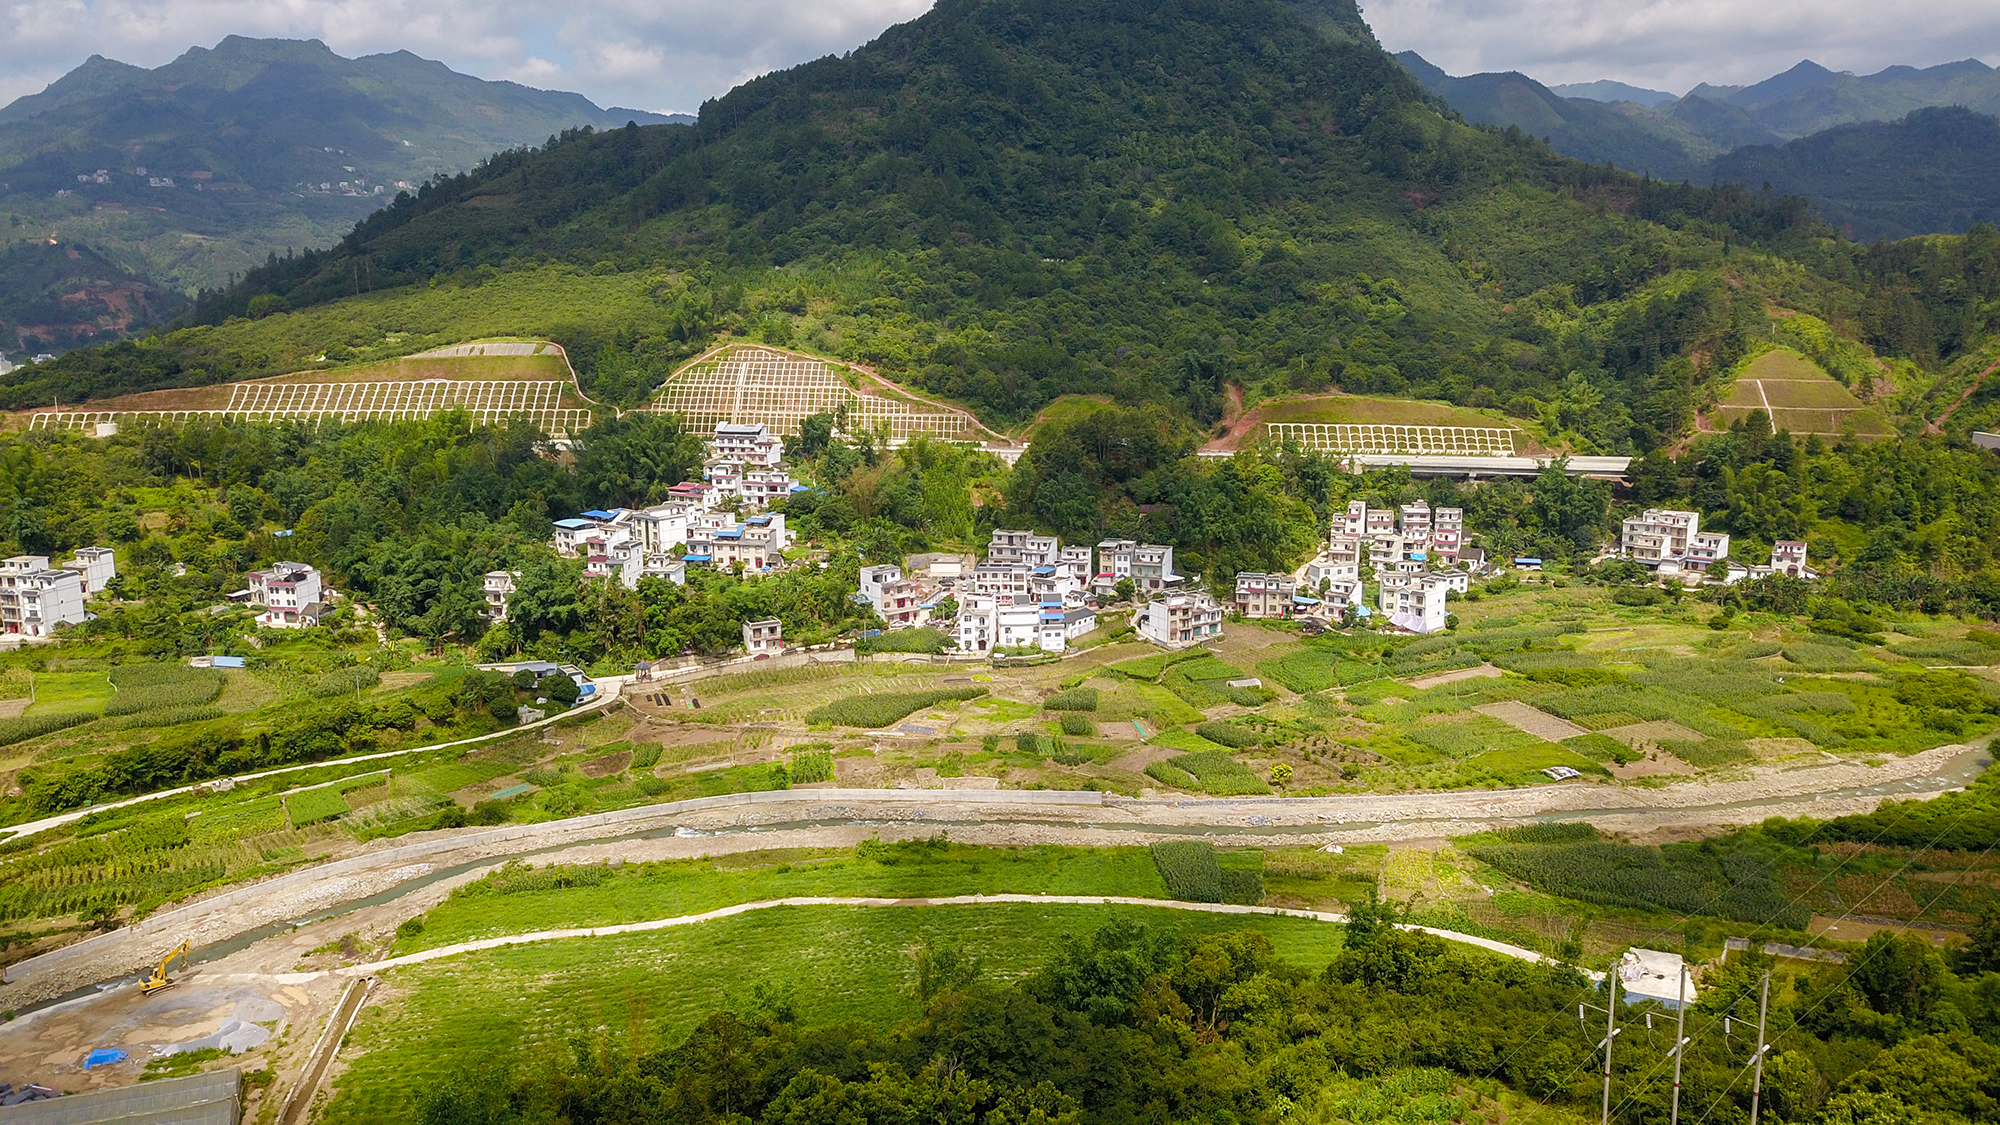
{"points": [[1006, 201], [200, 169], [1644, 139], [1935, 170]]}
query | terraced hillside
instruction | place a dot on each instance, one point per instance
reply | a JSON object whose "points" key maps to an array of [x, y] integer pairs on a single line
{"points": [[1797, 396], [490, 380]]}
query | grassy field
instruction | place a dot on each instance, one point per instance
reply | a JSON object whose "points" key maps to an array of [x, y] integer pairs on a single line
{"points": [[64, 692], [649, 989], [1798, 397], [670, 889]]}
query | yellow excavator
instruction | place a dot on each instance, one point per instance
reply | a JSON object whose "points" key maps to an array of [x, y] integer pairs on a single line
{"points": [[159, 979]]}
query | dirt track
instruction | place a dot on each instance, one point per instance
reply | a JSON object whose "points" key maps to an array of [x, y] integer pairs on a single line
{"points": [[833, 817], [268, 971]]}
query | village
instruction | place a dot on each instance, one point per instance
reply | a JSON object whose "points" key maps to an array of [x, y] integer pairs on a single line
{"points": [[1396, 569]]}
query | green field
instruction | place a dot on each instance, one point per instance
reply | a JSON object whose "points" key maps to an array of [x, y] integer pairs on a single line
{"points": [[674, 888], [1377, 410], [646, 990]]}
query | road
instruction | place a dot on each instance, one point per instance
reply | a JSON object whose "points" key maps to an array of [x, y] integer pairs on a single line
{"points": [[375, 889]]}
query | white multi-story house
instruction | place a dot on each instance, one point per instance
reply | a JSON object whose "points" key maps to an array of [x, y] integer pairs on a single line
{"points": [[1416, 602], [1150, 566], [1658, 534], [619, 558], [1379, 521], [1024, 547], [1005, 581], [1415, 524], [1704, 549], [746, 444], [758, 543], [763, 638], [499, 586], [35, 597], [896, 597], [1340, 562], [1075, 563], [763, 487], [95, 565], [1260, 595], [1788, 557], [976, 622], [1179, 620], [1447, 535], [290, 593], [1352, 524]]}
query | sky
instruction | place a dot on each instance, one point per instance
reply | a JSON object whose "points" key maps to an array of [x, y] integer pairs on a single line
{"points": [[671, 55]]}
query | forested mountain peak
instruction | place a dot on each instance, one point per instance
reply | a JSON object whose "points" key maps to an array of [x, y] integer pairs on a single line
{"points": [[186, 174], [1006, 201]]}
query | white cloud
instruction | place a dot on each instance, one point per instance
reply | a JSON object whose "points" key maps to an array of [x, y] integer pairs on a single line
{"points": [[643, 53], [1677, 44]]}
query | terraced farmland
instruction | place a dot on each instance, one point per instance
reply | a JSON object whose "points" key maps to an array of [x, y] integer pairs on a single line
{"points": [[1799, 397]]}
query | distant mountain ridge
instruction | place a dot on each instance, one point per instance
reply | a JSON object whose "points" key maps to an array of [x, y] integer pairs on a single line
{"points": [[182, 176], [1790, 130]]}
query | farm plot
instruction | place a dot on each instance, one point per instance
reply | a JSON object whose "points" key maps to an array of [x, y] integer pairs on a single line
{"points": [[457, 1014], [1797, 396]]}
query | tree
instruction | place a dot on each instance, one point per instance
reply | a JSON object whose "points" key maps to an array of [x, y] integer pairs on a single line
{"points": [[558, 688], [1281, 775], [546, 597]]}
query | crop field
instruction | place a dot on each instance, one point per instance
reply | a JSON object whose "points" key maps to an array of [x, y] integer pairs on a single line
{"points": [[1798, 397], [1255, 424], [649, 989], [751, 384], [518, 378]]}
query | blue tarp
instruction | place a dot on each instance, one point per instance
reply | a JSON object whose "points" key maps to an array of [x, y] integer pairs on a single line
{"points": [[227, 662], [104, 1056]]}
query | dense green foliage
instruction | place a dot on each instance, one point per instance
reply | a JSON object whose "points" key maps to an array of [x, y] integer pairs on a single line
{"points": [[1134, 1026], [1733, 881], [1861, 176]]}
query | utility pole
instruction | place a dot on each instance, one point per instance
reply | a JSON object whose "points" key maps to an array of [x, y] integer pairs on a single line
{"points": [[1757, 1086], [1680, 1040], [1610, 1033]]}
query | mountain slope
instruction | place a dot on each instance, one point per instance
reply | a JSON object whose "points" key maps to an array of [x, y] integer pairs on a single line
{"points": [[1005, 201], [201, 168], [1605, 90], [1935, 170], [1630, 136]]}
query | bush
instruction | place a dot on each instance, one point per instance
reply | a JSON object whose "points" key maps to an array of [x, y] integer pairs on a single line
{"points": [[346, 681], [647, 756], [1029, 742], [1228, 734], [1073, 699], [1075, 724], [809, 766], [143, 687], [883, 708], [1167, 773], [1220, 775], [34, 726], [558, 688]]}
